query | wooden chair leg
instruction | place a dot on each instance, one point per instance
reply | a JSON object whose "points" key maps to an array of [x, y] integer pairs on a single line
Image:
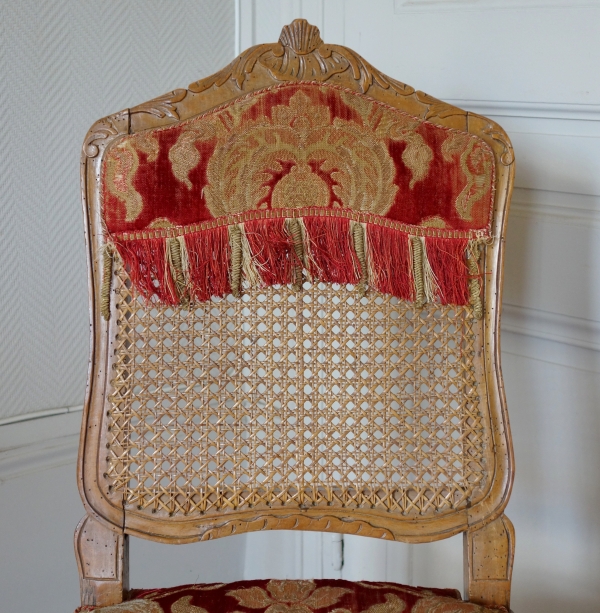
{"points": [[488, 556], [103, 562]]}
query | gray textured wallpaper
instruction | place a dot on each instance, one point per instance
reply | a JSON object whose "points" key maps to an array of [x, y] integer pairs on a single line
{"points": [[64, 64]]}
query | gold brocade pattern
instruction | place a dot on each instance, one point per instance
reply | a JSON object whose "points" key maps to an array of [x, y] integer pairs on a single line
{"points": [[302, 135], [284, 596], [476, 167], [121, 169], [318, 147], [297, 596]]}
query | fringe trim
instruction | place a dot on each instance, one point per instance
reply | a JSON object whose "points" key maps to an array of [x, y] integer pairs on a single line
{"points": [[331, 251], [249, 264], [293, 227], [449, 268], [277, 251], [417, 255], [389, 262], [147, 262], [271, 251], [177, 258]]}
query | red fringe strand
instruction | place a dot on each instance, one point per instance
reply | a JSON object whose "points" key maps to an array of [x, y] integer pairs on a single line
{"points": [[332, 257], [389, 257], [146, 263], [209, 256], [272, 250], [448, 262]]}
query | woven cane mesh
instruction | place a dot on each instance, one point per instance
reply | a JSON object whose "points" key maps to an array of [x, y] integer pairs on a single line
{"points": [[312, 398]]}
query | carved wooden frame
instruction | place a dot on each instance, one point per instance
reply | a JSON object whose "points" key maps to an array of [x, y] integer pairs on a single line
{"points": [[300, 54]]}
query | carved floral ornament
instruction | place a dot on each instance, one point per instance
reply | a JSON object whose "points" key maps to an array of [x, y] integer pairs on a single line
{"points": [[300, 54]]}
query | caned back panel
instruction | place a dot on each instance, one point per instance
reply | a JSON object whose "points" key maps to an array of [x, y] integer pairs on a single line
{"points": [[288, 399]]}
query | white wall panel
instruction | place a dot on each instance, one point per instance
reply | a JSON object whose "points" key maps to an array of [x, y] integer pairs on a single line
{"points": [[524, 55]]}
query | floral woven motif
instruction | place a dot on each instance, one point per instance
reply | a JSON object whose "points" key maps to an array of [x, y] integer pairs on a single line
{"points": [[289, 596]]}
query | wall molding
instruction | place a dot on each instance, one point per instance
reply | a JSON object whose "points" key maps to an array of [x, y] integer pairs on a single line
{"points": [[439, 6], [14, 419], [574, 331], [535, 110], [556, 207], [33, 445], [38, 456]]}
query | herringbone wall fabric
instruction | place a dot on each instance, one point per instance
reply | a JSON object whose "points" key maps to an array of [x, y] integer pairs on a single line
{"points": [[64, 64]]}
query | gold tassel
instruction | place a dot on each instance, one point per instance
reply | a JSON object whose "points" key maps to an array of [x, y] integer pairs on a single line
{"points": [[177, 257], [107, 269], [358, 238], [430, 284], [253, 278], [294, 229], [473, 254], [307, 259], [426, 286], [417, 267], [235, 240]]}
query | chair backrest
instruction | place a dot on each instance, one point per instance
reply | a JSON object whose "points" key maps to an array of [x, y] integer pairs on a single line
{"points": [[295, 283]]}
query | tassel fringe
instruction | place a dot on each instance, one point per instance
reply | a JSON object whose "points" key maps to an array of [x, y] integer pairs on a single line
{"points": [[417, 269], [235, 238], [332, 257], [473, 254], [208, 255], [176, 258], [358, 237], [147, 262], [389, 262], [294, 229], [249, 264], [107, 269], [265, 252]]}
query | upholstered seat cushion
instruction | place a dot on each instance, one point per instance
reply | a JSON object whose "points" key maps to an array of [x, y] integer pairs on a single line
{"points": [[287, 596]]}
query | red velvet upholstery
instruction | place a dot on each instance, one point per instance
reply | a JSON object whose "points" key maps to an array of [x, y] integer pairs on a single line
{"points": [[295, 146], [319, 596]]}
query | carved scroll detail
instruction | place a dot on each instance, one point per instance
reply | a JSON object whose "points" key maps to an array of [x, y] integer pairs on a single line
{"points": [[99, 132], [300, 54], [163, 106], [103, 130], [437, 108], [508, 155], [326, 523]]}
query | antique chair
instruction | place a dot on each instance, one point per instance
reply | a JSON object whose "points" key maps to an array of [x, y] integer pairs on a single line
{"points": [[295, 285]]}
